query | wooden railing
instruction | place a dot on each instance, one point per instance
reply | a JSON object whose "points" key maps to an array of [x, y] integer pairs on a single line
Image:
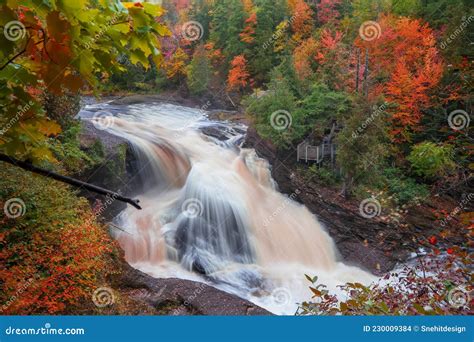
{"points": [[306, 152]]}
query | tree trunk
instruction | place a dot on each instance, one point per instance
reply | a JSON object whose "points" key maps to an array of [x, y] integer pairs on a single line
{"points": [[347, 186], [68, 180]]}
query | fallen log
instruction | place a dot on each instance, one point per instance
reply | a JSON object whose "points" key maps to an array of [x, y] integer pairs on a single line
{"points": [[69, 180]]}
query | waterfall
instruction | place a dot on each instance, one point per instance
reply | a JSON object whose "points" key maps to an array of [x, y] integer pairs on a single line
{"points": [[212, 213]]}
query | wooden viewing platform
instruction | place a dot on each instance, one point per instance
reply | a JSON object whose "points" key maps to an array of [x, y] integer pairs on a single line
{"points": [[306, 152]]}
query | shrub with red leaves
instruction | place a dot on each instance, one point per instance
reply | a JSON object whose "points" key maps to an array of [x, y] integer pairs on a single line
{"points": [[437, 285]]}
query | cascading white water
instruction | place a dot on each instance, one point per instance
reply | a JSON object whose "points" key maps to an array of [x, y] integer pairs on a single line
{"points": [[211, 213]]}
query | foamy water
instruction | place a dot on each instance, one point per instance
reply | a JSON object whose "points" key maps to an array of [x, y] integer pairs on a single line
{"points": [[211, 213]]}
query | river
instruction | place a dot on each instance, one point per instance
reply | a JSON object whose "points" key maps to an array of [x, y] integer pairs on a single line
{"points": [[212, 213]]}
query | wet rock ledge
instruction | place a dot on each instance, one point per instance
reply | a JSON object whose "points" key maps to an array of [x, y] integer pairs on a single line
{"points": [[172, 296]]}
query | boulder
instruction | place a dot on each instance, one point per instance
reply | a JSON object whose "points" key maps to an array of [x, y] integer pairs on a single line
{"points": [[172, 296], [116, 169]]}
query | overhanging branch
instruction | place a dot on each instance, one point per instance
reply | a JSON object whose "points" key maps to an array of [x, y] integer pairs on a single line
{"points": [[69, 180]]}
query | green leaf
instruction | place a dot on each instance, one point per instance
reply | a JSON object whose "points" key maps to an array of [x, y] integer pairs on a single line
{"points": [[138, 56], [76, 9], [140, 43], [153, 10]]}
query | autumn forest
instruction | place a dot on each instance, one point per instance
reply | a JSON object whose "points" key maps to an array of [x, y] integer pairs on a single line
{"points": [[248, 136]]}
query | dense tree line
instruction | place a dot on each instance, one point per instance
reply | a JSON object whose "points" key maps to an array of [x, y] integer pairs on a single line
{"points": [[387, 73]]}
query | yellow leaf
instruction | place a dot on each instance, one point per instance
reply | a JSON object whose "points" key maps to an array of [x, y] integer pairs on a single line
{"points": [[152, 9], [123, 27], [128, 4], [48, 127], [42, 153]]}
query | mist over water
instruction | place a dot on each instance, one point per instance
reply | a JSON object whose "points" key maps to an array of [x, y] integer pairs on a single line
{"points": [[211, 213]]}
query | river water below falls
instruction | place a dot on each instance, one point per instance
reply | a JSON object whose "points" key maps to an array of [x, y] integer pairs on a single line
{"points": [[212, 213]]}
